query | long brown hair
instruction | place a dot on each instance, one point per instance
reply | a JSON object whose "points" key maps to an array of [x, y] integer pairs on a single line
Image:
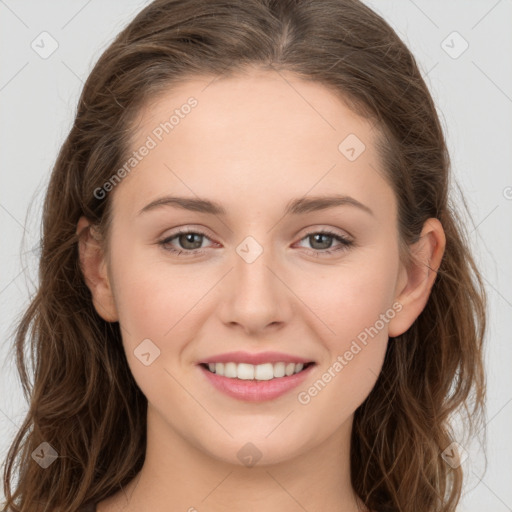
{"points": [[84, 401]]}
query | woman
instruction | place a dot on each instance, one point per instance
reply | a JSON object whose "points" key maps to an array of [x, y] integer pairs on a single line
{"points": [[192, 353]]}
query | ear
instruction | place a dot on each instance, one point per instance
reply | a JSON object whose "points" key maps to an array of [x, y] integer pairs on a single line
{"points": [[415, 282], [94, 269]]}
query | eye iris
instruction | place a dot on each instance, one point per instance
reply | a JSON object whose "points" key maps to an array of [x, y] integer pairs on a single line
{"points": [[328, 244], [184, 239]]}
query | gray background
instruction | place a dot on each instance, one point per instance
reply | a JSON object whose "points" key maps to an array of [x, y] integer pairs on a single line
{"points": [[473, 93]]}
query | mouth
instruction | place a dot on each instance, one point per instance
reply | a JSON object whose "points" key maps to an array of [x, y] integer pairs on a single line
{"points": [[256, 372], [256, 377], [256, 382]]}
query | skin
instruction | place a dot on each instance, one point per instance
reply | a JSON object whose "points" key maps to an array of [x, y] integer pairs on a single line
{"points": [[253, 143]]}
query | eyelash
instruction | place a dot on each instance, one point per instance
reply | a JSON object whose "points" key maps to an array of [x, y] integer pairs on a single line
{"points": [[344, 241]]}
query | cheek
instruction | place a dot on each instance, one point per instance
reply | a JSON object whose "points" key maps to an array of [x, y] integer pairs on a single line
{"points": [[357, 307], [138, 295], [352, 298], [159, 302], [151, 295], [356, 302], [152, 310]]}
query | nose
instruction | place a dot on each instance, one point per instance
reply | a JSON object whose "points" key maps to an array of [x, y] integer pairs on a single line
{"points": [[255, 297]]}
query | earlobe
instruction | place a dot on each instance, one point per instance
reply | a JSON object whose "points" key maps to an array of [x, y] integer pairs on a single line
{"points": [[94, 269], [415, 283]]}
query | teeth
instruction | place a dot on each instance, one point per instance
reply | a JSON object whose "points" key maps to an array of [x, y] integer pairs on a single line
{"points": [[279, 369], [290, 368], [230, 370], [264, 371], [246, 371]]}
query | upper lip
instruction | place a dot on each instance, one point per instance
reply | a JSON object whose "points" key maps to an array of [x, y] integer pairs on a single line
{"points": [[255, 358]]}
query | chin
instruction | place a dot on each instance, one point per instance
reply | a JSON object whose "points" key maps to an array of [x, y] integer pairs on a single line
{"points": [[254, 449]]}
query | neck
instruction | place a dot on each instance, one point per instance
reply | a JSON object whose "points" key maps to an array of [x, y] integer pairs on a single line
{"points": [[177, 474]]}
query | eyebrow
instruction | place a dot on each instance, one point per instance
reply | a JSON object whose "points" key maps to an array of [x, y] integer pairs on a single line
{"points": [[295, 206]]}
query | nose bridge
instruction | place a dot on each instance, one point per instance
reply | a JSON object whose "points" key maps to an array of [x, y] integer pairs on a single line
{"points": [[252, 269], [257, 296]]}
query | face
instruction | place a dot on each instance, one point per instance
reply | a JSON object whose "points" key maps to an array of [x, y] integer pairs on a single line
{"points": [[264, 282]]}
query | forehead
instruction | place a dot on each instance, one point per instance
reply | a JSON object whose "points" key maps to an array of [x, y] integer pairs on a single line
{"points": [[256, 104], [257, 135]]}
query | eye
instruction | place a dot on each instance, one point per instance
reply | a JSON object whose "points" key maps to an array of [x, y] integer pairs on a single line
{"points": [[190, 242], [323, 241]]}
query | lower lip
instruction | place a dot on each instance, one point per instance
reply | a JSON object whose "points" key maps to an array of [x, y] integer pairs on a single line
{"points": [[256, 390]]}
